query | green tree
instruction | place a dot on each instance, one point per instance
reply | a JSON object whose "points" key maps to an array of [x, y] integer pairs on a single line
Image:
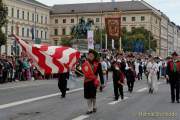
{"points": [[66, 42], [3, 21], [98, 35], [138, 34]]}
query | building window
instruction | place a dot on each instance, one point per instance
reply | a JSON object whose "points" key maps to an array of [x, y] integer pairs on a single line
{"points": [[156, 21], [12, 30], [132, 28], [56, 21], [64, 20], [45, 20], [89, 19], [37, 33], [72, 20], [7, 11], [97, 19], [55, 31], [142, 18], [28, 16], [17, 31], [12, 12], [41, 34], [142, 27], [27, 32], [17, 14], [55, 42], [124, 18], [124, 29], [64, 31], [33, 17], [22, 32], [41, 19], [45, 35], [37, 18], [133, 18], [23, 15]]}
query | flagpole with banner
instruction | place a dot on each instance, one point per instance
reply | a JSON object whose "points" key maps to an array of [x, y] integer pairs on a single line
{"points": [[90, 39], [113, 26]]}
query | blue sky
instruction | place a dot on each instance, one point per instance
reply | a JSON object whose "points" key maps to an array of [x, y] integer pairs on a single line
{"points": [[170, 7]]}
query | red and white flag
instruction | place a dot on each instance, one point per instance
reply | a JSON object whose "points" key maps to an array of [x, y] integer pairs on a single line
{"points": [[50, 59]]}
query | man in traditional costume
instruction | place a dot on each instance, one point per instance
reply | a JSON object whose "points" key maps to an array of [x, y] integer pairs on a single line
{"points": [[173, 70], [91, 68]]}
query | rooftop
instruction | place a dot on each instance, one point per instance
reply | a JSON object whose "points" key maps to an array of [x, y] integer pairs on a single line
{"points": [[98, 7], [35, 2]]}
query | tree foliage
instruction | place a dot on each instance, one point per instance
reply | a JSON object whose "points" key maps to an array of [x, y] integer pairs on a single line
{"points": [[99, 34], [3, 38], [3, 21], [3, 14], [66, 42], [138, 34]]}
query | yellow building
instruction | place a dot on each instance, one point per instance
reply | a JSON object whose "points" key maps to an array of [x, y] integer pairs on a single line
{"points": [[133, 13], [25, 16]]}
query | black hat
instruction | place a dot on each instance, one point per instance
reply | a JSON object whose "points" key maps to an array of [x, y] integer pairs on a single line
{"points": [[174, 54], [96, 54]]}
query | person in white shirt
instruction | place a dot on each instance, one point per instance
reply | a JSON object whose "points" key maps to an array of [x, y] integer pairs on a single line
{"points": [[104, 69], [152, 68], [137, 69]]}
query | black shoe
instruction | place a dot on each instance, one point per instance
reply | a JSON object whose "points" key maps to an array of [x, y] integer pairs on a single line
{"points": [[67, 89], [89, 112], [94, 110], [172, 101], [63, 96], [177, 101], [101, 89], [116, 98], [150, 90]]}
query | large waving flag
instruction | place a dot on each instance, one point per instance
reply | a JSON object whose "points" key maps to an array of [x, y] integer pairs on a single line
{"points": [[51, 59]]}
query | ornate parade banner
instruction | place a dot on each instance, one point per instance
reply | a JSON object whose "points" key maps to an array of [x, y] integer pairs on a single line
{"points": [[113, 27]]}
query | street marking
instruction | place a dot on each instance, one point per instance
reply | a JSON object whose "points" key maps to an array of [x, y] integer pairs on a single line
{"points": [[82, 117], [35, 99], [160, 83], [23, 85], [142, 89], [115, 102]]}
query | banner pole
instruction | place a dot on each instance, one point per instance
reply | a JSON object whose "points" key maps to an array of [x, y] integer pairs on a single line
{"points": [[106, 41], [120, 44]]}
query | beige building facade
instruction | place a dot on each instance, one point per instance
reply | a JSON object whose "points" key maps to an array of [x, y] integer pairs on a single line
{"points": [[142, 15], [164, 36], [50, 24], [26, 19]]}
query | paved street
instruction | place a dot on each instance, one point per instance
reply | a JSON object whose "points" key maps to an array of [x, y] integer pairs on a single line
{"points": [[40, 100]]}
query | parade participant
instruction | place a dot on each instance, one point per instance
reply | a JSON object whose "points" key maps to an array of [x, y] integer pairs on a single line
{"points": [[118, 80], [152, 68], [104, 69], [130, 76], [137, 69], [140, 70], [173, 77], [62, 83], [91, 68]]}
